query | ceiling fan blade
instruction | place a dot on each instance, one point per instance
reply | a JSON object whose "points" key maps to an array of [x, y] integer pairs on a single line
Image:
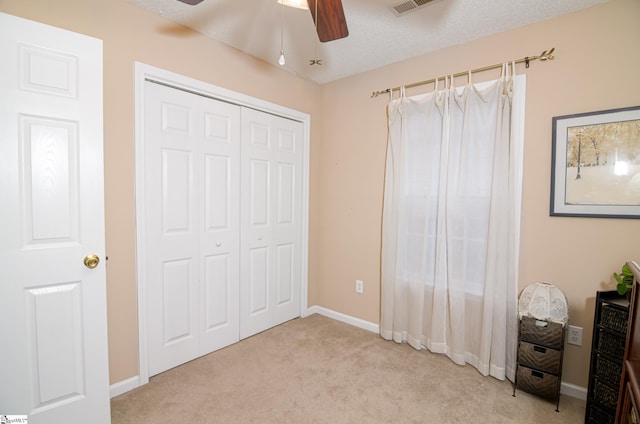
{"points": [[191, 2], [331, 22]]}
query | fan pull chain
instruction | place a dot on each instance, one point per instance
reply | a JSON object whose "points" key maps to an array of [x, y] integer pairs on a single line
{"points": [[281, 59]]}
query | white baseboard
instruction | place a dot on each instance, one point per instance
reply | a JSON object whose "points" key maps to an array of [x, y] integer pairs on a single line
{"points": [[572, 390], [124, 386], [348, 319]]}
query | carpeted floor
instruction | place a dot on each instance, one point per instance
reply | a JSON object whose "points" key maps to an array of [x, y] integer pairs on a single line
{"points": [[317, 370]]}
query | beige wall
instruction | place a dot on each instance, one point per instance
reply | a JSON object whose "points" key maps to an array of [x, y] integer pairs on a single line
{"points": [[597, 68]]}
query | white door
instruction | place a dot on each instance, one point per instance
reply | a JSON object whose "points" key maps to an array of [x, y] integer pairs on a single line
{"points": [[53, 365], [271, 225], [192, 176]]}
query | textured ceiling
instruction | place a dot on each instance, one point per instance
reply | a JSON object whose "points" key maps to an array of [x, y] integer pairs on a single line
{"points": [[377, 37]]}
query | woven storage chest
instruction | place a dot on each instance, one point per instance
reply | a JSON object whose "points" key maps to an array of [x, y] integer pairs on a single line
{"points": [[596, 415], [545, 333], [611, 345], [540, 357], [608, 371], [614, 319], [537, 382], [605, 395]]}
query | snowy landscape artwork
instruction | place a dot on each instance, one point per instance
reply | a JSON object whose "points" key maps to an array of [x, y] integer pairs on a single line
{"points": [[596, 164]]}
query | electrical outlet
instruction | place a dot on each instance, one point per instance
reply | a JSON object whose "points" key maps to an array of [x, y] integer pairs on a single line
{"points": [[359, 286], [575, 335]]}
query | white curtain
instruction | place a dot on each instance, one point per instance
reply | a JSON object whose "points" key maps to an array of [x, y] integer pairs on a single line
{"points": [[451, 222]]}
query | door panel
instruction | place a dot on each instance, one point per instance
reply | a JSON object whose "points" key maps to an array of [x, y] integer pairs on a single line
{"points": [[191, 167], [258, 266], [217, 180], [54, 366], [259, 193], [218, 285], [286, 194], [178, 315], [49, 153], [177, 192], [271, 210], [285, 270], [55, 309]]}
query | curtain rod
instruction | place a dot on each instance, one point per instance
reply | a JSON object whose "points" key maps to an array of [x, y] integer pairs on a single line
{"points": [[545, 55]]}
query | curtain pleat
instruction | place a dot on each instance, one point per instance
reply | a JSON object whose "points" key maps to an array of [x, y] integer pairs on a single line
{"points": [[451, 222]]}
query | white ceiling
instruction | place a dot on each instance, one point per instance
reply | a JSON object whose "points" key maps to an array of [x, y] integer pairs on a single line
{"points": [[377, 37]]}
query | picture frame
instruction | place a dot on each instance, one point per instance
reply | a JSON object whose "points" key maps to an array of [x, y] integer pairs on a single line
{"points": [[595, 164]]}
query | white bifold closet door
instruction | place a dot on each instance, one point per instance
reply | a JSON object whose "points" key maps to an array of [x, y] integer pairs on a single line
{"points": [[223, 230]]}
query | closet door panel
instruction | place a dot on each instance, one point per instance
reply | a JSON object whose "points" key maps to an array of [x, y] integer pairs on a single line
{"points": [[171, 230], [217, 284], [177, 192], [271, 220], [177, 292], [287, 227], [258, 281], [191, 162], [217, 192], [284, 274], [219, 244], [259, 199]]}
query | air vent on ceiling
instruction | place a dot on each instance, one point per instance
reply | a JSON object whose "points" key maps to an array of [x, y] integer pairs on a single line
{"points": [[405, 7]]}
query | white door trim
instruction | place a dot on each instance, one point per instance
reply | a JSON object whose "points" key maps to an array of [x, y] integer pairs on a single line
{"points": [[146, 72]]}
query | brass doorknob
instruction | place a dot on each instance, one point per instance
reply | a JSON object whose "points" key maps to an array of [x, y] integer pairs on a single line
{"points": [[91, 261]]}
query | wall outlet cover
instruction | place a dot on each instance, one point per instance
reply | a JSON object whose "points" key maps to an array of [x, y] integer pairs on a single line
{"points": [[574, 336]]}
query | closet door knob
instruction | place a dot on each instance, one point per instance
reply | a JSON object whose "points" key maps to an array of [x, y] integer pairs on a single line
{"points": [[218, 244], [259, 237]]}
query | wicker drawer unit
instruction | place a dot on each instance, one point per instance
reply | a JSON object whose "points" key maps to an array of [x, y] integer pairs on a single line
{"points": [[540, 357], [539, 363], [537, 382], [544, 333], [607, 352]]}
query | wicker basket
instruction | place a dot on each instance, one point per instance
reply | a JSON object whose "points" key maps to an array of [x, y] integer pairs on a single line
{"points": [[608, 371], [605, 395], [539, 357], [541, 332], [598, 416], [614, 319], [611, 345], [537, 382]]}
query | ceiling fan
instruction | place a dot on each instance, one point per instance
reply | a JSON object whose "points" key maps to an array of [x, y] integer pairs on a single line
{"points": [[329, 22]]}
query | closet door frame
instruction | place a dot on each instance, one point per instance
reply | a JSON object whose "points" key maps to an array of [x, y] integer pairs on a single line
{"points": [[144, 72]]}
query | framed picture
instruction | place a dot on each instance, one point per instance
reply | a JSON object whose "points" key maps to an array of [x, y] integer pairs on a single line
{"points": [[595, 169]]}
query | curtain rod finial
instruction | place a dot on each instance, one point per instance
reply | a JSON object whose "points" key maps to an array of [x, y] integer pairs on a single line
{"points": [[377, 93]]}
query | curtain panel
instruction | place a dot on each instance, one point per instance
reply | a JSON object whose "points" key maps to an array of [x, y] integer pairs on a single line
{"points": [[451, 222]]}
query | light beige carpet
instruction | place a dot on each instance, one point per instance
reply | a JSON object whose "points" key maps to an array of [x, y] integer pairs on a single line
{"points": [[317, 370]]}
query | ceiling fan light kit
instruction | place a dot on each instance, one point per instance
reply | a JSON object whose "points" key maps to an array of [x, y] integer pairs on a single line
{"points": [[328, 18], [298, 4]]}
